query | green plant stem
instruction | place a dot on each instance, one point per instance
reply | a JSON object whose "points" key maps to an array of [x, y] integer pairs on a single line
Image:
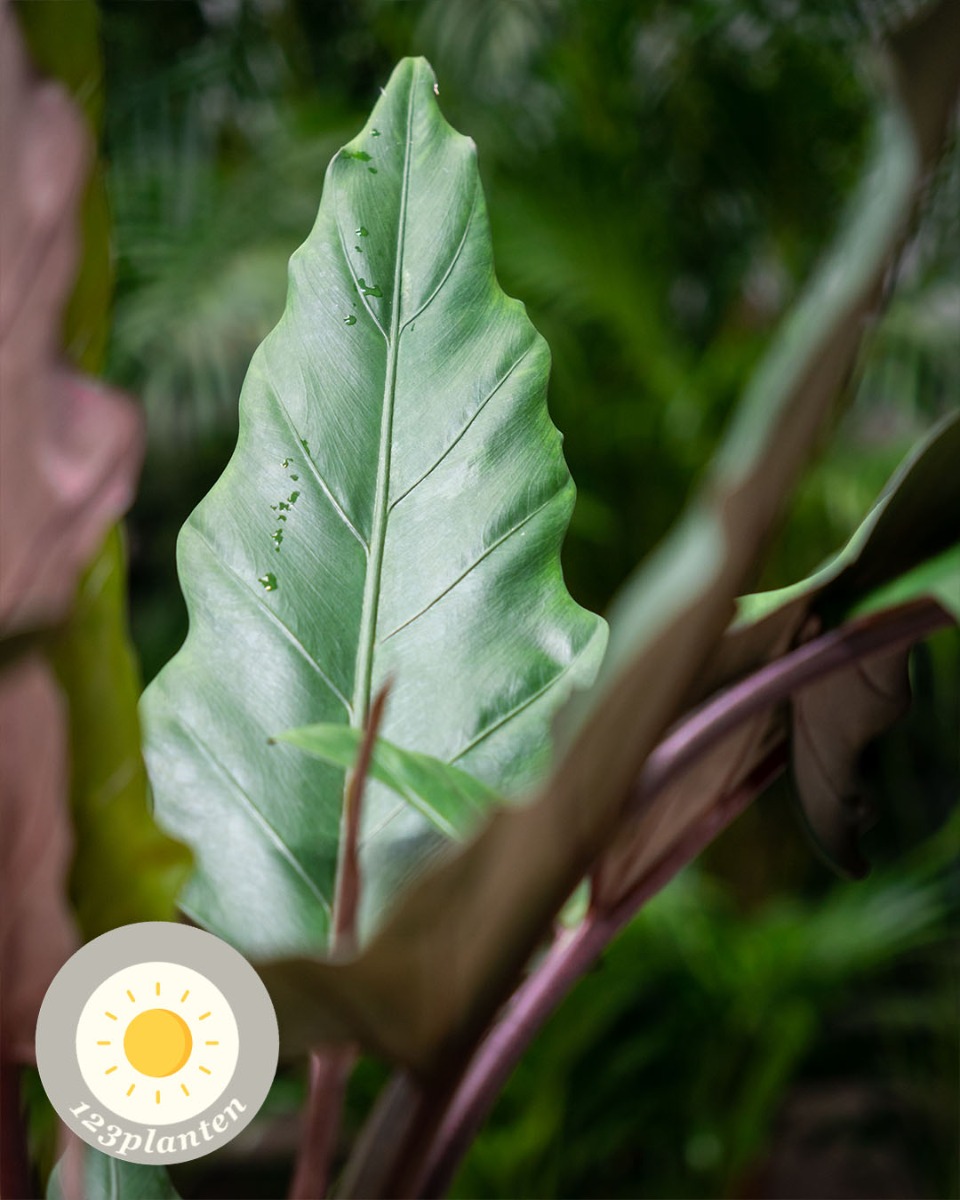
{"points": [[576, 950]]}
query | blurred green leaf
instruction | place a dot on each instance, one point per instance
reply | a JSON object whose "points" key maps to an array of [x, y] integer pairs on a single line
{"points": [[124, 869], [917, 514], [64, 41], [451, 800], [394, 508], [108, 1178], [939, 578], [915, 519]]}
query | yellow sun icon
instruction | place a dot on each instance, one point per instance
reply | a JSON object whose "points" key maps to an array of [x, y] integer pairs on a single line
{"points": [[157, 1042]]}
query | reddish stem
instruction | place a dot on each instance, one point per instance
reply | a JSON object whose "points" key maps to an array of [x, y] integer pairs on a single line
{"points": [[329, 1073], [572, 954], [330, 1068], [576, 950], [420, 1160], [698, 731], [347, 899]]}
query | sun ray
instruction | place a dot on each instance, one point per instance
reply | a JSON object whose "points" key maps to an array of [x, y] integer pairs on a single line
{"points": [[110, 1015], [133, 998], [185, 995], [109, 1070], [130, 1089], [158, 988], [206, 1071], [205, 1043], [203, 1016], [158, 1098], [183, 1088], [107, 1043]]}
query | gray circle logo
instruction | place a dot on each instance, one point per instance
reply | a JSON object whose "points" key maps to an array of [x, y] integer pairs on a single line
{"points": [[157, 1043]]}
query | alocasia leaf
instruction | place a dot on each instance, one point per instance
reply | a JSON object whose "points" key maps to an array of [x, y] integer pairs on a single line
{"points": [[476, 918], [394, 508], [450, 799]]}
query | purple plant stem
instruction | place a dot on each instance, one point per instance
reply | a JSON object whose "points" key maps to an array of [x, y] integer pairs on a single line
{"points": [[329, 1071], [330, 1067], [696, 733], [572, 954], [575, 950]]}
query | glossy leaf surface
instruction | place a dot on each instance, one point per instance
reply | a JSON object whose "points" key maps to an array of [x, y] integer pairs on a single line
{"points": [[509, 882], [451, 800], [394, 508]]}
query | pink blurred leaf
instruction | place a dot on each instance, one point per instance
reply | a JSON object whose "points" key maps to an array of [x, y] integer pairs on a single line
{"points": [[70, 450], [70, 453], [36, 930]]}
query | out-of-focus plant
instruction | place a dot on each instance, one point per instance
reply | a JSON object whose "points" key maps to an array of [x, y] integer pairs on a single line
{"points": [[69, 461]]}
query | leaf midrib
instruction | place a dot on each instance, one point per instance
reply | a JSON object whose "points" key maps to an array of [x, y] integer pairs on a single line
{"points": [[378, 533]]}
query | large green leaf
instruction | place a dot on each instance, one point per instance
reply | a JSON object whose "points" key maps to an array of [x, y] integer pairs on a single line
{"points": [[394, 508], [475, 919]]}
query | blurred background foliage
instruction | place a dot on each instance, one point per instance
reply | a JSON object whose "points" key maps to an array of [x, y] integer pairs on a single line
{"points": [[660, 178]]}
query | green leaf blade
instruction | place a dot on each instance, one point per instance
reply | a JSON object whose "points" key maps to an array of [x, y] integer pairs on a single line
{"points": [[394, 510], [450, 799]]}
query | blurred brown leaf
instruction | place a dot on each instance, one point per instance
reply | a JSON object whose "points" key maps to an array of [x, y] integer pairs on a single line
{"points": [[37, 932], [70, 450], [69, 457]]}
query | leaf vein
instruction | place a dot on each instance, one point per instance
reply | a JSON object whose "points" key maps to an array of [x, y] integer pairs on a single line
{"points": [[476, 413], [257, 813], [325, 487], [518, 709], [453, 262], [231, 573], [460, 578], [349, 264]]}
